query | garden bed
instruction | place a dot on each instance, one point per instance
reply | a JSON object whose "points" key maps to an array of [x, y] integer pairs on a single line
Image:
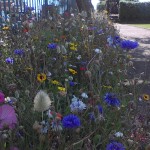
{"points": [[63, 82]]}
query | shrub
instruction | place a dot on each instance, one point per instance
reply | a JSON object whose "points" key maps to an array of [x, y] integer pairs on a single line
{"points": [[132, 11]]}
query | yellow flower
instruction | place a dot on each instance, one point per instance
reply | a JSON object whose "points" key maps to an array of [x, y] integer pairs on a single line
{"points": [[73, 71], [55, 82], [61, 88], [41, 77], [5, 28], [146, 97], [73, 46]]}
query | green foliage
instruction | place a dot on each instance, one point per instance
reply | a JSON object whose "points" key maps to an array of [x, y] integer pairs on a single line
{"points": [[131, 11], [101, 6]]}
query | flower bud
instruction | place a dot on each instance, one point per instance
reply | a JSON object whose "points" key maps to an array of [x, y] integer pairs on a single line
{"points": [[88, 74]]}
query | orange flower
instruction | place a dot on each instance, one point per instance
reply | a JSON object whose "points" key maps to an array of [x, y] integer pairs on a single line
{"points": [[41, 77]]}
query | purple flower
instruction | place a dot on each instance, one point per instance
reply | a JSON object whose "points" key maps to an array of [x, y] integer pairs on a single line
{"points": [[127, 44], [14, 148], [111, 99], [2, 97], [7, 116], [115, 146], [9, 60], [19, 52], [52, 46], [71, 121]]}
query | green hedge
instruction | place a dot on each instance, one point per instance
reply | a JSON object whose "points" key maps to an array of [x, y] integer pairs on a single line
{"points": [[131, 11]]}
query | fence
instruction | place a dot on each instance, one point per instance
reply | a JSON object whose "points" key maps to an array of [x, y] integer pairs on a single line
{"points": [[40, 8]]}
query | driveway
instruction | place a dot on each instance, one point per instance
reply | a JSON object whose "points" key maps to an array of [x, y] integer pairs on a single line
{"points": [[141, 55]]}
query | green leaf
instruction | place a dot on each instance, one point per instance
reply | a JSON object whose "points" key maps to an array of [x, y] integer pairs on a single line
{"points": [[97, 139]]}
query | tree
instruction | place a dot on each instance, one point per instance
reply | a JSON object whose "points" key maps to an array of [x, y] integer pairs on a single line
{"points": [[85, 5]]}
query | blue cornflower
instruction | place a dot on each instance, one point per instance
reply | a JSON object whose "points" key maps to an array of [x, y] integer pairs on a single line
{"points": [[117, 40], [9, 60], [52, 46], [19, 52], [111, 99], [92, 28], [100, 31], [72, 83], [127, 44], [92, 116], [115, 146], [77, 105], [71, 121], [100, 109]]}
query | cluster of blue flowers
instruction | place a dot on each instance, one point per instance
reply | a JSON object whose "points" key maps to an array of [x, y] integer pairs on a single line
{"points": [[52, 46], [115, 146], [127, 44], [111, 99], [124, 44], [71, 121]]}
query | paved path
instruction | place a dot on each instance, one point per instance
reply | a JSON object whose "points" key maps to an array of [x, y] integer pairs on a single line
{"points": [[141, 55]]}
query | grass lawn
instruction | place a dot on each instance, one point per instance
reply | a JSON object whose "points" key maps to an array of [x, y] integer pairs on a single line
{"points": [[146, 26]]}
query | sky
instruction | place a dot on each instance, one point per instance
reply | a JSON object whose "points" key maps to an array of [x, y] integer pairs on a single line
{"points": [[94, 2]]}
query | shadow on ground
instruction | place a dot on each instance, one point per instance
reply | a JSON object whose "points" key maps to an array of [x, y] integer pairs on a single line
{"points": [[140, 56]]}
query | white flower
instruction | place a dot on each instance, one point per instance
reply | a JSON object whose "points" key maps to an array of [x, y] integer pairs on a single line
{"points": [[119, 134], [7, 100], [48, 74], [63, 49], [98, 51], [74, 98], [1, 42], [72, 15], [58, 49], [79, 57], [77, 105], [84, 95], [56, 127], [42, 101]]}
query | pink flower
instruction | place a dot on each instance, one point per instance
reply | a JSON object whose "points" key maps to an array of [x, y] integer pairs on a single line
{"points": [[2, 97], [14, 148], [7, 116]]}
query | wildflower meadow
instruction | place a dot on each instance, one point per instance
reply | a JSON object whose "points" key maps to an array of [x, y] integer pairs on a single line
{"points": [[63, 86]]}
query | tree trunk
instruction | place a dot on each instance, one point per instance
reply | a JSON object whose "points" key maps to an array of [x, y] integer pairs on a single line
{"points": [[85, 5]]}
